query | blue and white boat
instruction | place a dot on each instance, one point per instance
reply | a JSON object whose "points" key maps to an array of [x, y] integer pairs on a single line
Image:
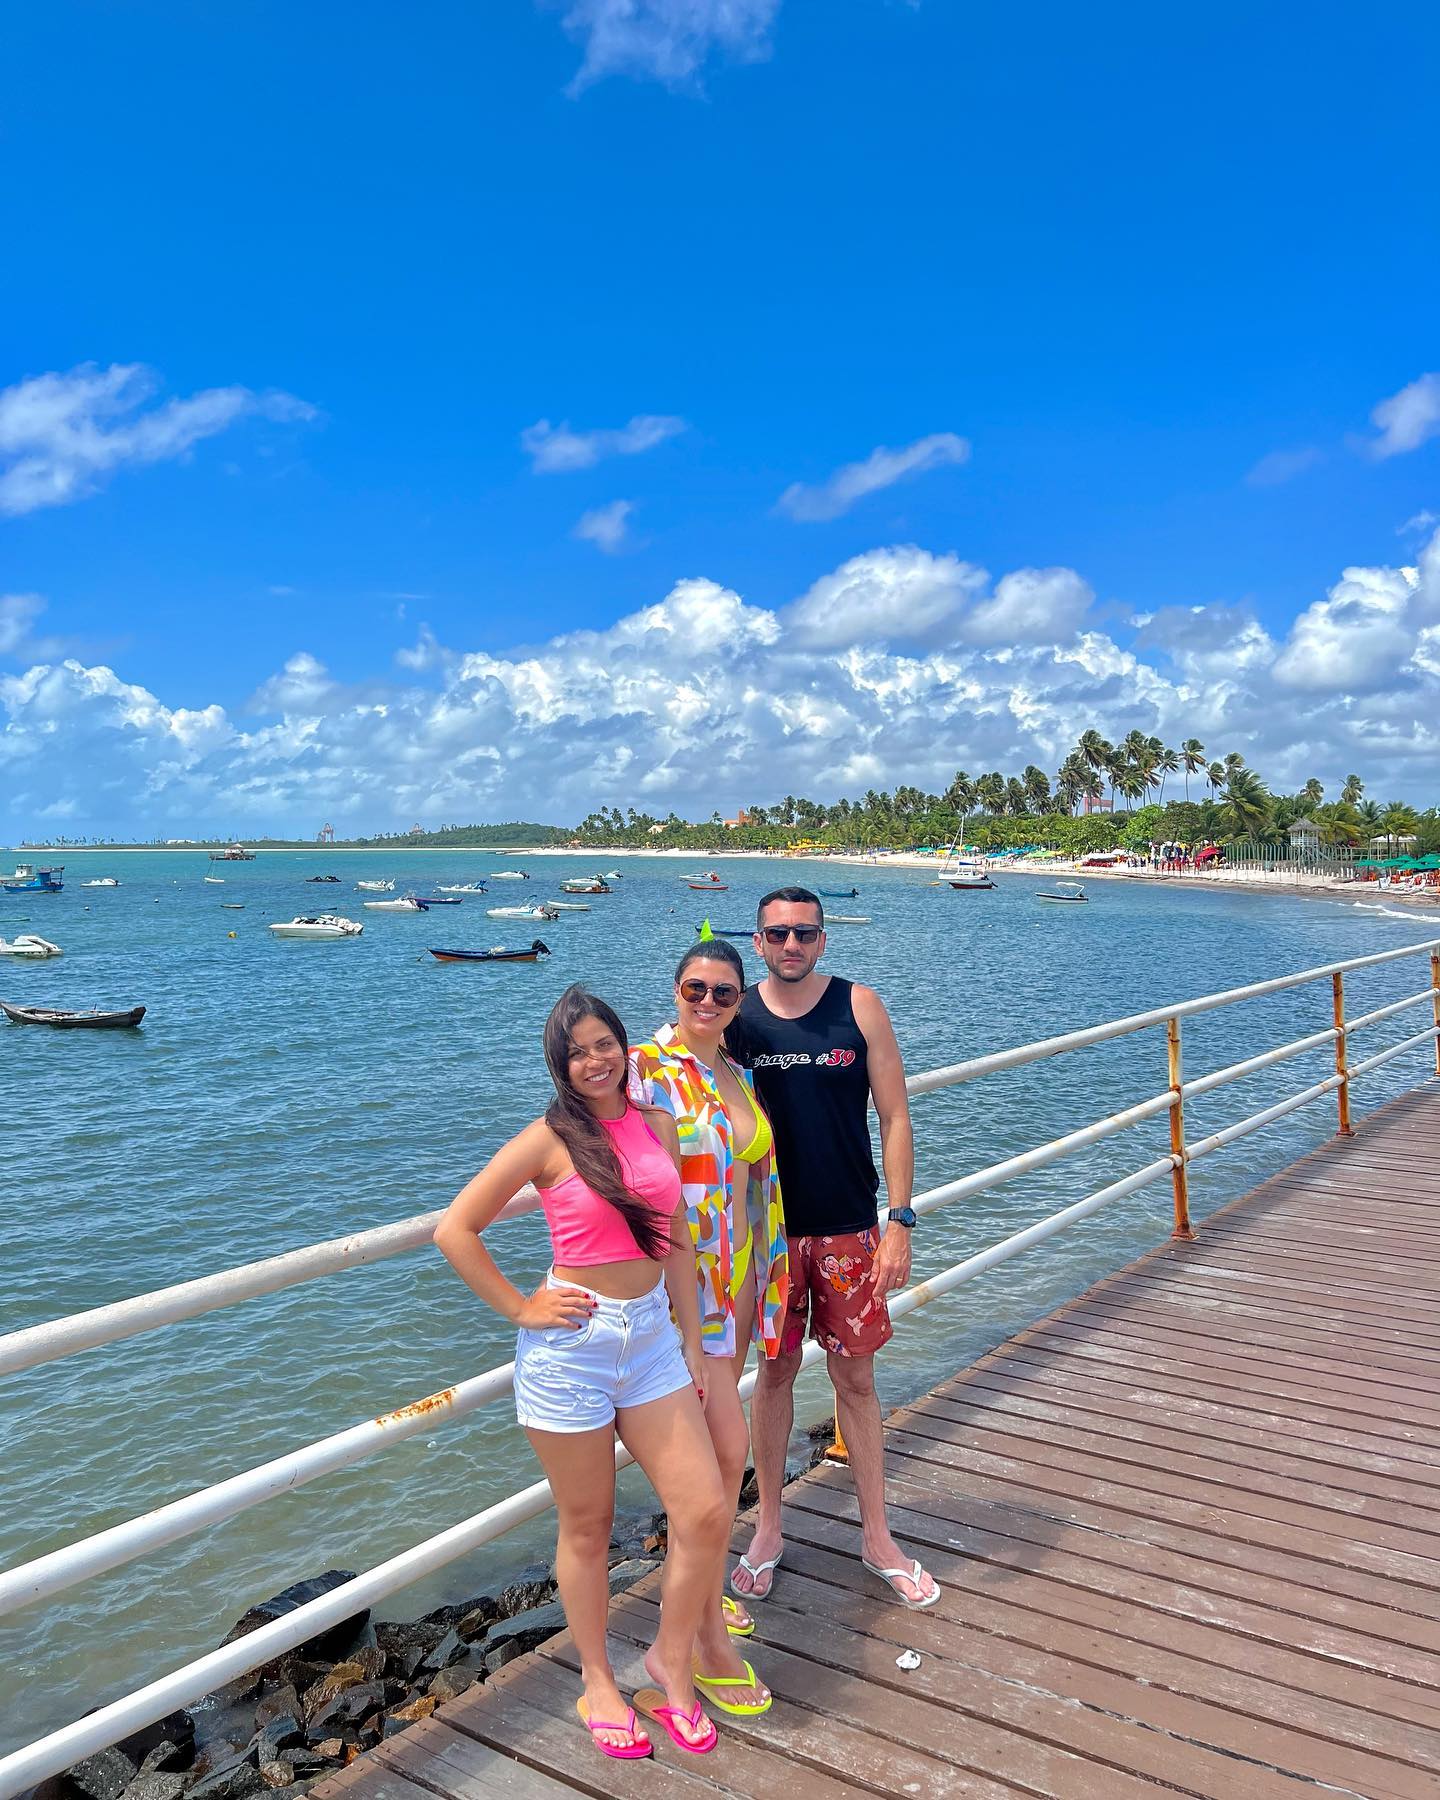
{"points": [[27, 879]]}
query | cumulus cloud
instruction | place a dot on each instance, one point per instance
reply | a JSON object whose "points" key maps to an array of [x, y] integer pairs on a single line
{"points": [[18, 612], [557, 449], [894, 667], [665, 40], [1407, 419], [1283, 465], [62, 436], [882, 468], [606, 526]]}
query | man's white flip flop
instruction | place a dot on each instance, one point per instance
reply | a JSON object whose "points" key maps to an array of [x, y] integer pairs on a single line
{"points": [[755, 1571], [891, 1576]]}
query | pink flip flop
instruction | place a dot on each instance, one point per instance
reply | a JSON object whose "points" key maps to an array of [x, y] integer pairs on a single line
{"points": [[652, 1703], [621, 1752]]}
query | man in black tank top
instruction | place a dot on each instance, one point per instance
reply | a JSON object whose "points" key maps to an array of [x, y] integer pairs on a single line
{"points": [[821, 1050]]}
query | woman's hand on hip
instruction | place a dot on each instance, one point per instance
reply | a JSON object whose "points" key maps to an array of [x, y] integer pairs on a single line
{"points": [[550, 1307]]}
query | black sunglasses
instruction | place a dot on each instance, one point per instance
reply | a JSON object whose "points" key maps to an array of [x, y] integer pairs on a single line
{"points": [[694, 990], [777, 934]]}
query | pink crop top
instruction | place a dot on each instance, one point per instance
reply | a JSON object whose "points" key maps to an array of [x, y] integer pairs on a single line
{"points": [[584, 1229]]}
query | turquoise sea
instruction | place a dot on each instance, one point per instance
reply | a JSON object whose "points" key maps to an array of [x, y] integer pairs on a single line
{"points": [[283, 1092]]}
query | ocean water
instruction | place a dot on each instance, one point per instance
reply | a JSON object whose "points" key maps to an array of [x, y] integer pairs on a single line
{"points": [[282, 1092]]}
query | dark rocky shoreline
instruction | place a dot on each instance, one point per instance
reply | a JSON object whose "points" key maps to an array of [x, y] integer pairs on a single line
{"points": [[310, 1712]]}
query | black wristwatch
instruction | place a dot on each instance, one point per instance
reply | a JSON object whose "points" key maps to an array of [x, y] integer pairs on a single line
{"points": [[902, 1215]]}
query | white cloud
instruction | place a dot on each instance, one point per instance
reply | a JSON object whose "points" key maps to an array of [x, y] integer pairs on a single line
{"points": [[1421, 522], [668, 40], [882, 468], [556, 449], [606, 526], [63, 436], [18, 612], [1283, 465], [892, 668], [1407, 419]]}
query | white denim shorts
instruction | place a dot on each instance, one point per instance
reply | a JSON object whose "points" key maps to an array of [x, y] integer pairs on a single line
{"points": [[627, 1353]]}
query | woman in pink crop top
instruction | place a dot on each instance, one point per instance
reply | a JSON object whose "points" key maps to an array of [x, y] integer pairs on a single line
{"points": [[598, 1352]]}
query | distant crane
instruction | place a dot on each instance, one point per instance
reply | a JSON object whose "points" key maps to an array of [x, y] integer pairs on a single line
{"points": [[325, 835]]}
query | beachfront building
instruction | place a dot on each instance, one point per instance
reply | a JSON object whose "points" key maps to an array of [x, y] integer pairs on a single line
{"points": [[1304, 837]]}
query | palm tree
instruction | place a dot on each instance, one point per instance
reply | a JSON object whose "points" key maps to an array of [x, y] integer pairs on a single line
{"points": [[1016, 801], [1037, 789], [1192, 760], [1215, 777], [1354, 787], [1070, 782], [1116, 764], [961, 795], [1245, 810], [1312, 791], [1399, 820], [1094, 751], [1132, 782], [1340, 825], [1164, 761], [990, 793]]}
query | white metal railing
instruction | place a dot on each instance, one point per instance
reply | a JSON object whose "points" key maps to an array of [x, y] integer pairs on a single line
{"points": [[58, 1570]]}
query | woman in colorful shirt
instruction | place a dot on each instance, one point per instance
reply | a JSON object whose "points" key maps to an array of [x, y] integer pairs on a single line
{"points": [[733, 1207]]}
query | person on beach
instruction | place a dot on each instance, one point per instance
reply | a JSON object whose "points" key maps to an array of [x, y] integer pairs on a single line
{"points": [[733, 1208], [821, 1049], [598, 1352]]}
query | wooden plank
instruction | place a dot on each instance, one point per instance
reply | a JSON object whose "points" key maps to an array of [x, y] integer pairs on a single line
{"points": [[439, 1758]]}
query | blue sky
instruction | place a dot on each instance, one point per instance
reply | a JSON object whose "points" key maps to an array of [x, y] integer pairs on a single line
{"points": [[1109, 295]]}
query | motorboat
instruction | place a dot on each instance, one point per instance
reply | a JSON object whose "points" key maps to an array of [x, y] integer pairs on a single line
{"points": [[315, 878], [236, 853], [28, 945], [215, 880], [585, 884], [462, 887], [319, 925], [510, 875], [847, 919], [27, 879], [543, 910], [1067, 893], [440, 900], [568, 905], [838, 893], [103, 881], [613, 875], [498, 954], [740, 931], [375, 887], [970, 878], [232, 906], [406, 903], [707, 887], [50, 1015]]}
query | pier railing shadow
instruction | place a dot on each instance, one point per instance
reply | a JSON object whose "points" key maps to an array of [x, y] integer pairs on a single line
{"points": [[55, 1572]]}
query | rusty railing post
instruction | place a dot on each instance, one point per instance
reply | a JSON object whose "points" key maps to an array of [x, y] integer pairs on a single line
{"points": [[1435, 999], [1342, 1058], [836, 1452], [1180, 1174]]}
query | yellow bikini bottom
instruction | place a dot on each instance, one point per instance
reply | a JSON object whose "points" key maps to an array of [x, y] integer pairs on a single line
{"points": [[740, 1266]]}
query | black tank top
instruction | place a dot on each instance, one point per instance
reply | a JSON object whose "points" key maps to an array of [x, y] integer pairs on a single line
{"points": [[814, 1082]]}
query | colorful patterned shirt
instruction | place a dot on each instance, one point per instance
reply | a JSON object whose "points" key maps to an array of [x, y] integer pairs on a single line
{"points": [[667, 1074]]}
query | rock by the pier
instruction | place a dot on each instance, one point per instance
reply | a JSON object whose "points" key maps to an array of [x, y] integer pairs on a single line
{"points": [[533, 1585], [279, 1703], [335, 1681], [105, 1775], [158, 1785], [449, 1650], [409, 1714], [176, 1729], [513, 1637], [233, 1777], [474, 1622], [168, 1759], [278, 1773], [450, 1683], [407, 1644], [330, 1750], [344, 1711], [331, 1642], [627, 1573], [285, 1732]]}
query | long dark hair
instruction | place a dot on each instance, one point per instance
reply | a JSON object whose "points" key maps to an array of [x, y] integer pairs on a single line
{"points": [[577, 1128], [733, 1038]]}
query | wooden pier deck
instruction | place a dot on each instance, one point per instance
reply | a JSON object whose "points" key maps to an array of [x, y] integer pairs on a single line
{"points": [[1188, 1529]]}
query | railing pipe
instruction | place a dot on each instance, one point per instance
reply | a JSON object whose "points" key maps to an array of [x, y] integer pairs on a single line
{"points": [[1387, 1012], [1243, 1127], [1385, 1056], [1180, 1180], [1435, 997], [1202, 1084], [1342, 1090]]}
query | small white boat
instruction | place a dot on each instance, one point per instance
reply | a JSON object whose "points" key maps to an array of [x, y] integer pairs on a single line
{"points": [[103, 881], [847, 919], [216, 880], [543, 911], [407, 903], [320, 925], [28, 945], [614, 875], [568, 905], [462, 887], [1067, 893], [375, 887], [510, 875], [585, 884]]}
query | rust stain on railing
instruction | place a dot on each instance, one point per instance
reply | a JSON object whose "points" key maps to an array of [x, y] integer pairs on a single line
{"points": [[417, 1409]]}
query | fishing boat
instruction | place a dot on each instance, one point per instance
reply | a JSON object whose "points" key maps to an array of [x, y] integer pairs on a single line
{"points": [[585, 884], [28, 945], [27, 879], [510, 875], [441, 900], [838, 893], [970, 878], [568, 905], [375, 887], [407, 904], [498, 954], [232, 906], [215, 880], [741, 931], [322, 878], [544, 910], [236, 853], [50, 1015], [462, 887], [708, 887], [1068, 893], [847, 919], [103, 881], [324, 926]]}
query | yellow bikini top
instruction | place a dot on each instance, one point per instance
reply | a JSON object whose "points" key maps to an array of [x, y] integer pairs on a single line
{"points": [[763, 1141]]}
